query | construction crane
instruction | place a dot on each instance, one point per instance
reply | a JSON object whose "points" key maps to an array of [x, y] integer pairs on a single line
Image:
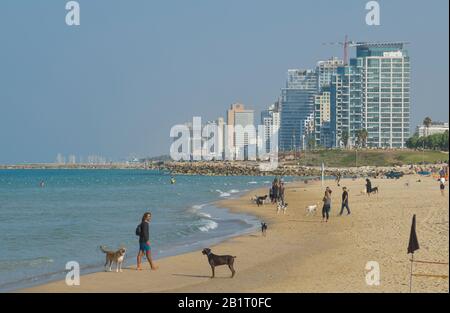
{"points": [[350, 43], [346, 44]]}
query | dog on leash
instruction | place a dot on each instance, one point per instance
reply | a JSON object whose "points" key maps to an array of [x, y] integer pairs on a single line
{"points": [[217, 260], [281, 206], [263, 229], [114, 257], [311, 209]]}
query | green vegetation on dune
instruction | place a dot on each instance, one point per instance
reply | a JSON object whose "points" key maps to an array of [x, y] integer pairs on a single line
{"points": [[350, 158]]}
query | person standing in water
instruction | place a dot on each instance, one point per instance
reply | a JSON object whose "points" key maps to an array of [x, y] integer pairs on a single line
{"points": [[144, 242]]}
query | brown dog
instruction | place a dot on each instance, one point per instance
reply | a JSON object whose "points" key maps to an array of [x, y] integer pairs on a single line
{"points": [[114, 256], [217, 260]]}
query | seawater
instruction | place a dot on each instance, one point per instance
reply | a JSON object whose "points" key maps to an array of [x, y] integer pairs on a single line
{"points": [[43, 228]]}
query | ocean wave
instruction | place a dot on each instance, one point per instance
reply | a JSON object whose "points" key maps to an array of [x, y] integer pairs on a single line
{"points": [[198, 206], [223, 194], [195, 208], [252, 182], [204, 214], [35, 262], [233, 191], [209, 224]]}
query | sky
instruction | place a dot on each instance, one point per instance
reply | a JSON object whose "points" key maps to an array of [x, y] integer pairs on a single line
{"points": [[116, 84]]}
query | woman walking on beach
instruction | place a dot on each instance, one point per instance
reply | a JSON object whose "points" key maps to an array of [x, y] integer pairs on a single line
{"points": [[144, 241], [326, 205]]}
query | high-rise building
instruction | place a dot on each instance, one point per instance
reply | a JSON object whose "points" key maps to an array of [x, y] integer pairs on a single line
{"points": [[346, 107], [72, 159], [213, 130], [322, 113], [270, 119], [60, 159], [325, 70], [230, 136], [220, 122], [238, 140], [297, 105], [372, 93], [326, 139], [386, 94]]}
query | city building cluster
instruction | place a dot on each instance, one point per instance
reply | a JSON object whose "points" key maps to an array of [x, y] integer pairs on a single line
{"points": [[361, 102]]}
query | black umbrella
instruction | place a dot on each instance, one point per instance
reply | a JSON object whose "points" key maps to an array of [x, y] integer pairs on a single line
{"points": [[413, 242], [412, 247]]}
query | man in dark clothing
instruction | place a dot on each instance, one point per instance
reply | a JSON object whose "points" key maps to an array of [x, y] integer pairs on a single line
{"points": [[344, 201], [368, 186], [281, 193]]}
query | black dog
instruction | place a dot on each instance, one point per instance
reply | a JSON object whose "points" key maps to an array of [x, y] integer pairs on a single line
{"points": [[216, 260], [260, 200], [374, 190], [263, 228]]}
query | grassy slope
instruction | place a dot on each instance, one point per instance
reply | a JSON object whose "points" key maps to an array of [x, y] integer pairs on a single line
{"points": [[346, 158]]}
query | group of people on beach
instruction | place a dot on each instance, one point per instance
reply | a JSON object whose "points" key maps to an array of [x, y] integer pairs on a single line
{"points": [[326, 208], [276, 192]]}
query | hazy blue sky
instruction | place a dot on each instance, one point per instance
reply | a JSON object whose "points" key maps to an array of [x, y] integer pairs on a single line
{"points": [[116, 84]]}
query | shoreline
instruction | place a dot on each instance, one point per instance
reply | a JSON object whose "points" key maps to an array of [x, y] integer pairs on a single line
{"points": [[220, 204], [301, 254], [179, 249]]}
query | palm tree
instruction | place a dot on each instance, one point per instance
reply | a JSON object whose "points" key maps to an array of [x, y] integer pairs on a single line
{"points": [[427, 123], [362, 135], [345, 138]]}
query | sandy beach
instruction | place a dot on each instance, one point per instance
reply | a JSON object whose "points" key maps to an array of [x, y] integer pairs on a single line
{"points": [[302, 254]]}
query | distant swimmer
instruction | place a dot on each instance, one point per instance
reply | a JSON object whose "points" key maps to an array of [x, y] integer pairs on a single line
{"points": [[173, 180], [42, 184]]}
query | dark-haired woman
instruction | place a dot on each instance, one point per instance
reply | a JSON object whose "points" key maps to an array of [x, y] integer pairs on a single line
{"points": [[144, 242]]}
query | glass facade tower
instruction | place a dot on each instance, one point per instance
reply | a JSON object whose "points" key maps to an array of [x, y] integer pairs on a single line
{"points": [[373, 93], [297, 105]]}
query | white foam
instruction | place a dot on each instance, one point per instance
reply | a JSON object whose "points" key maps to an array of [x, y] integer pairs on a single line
{"points": [[208, 226], [223, 194], [252, 182], [233, 191], [204, 214], [198, 206]]}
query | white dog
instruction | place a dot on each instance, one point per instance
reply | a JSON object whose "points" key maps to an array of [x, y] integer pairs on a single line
{"points": [[310, 209], [282, 206]]}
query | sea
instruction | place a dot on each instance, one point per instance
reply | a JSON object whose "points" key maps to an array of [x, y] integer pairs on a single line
{"points": [[49, 217]]}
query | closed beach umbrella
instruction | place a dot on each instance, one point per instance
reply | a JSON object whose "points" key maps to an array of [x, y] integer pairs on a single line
{"points": [[412, 246], [413, 242]]}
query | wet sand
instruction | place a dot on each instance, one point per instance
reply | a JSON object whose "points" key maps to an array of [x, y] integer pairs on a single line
{"points": [[302, 254]]}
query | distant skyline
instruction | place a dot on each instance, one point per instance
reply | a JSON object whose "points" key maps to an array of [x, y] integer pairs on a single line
{"points": [[116, 84]]}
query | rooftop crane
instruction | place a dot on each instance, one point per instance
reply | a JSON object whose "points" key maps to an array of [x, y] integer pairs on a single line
{"points": [[350, 43]]}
